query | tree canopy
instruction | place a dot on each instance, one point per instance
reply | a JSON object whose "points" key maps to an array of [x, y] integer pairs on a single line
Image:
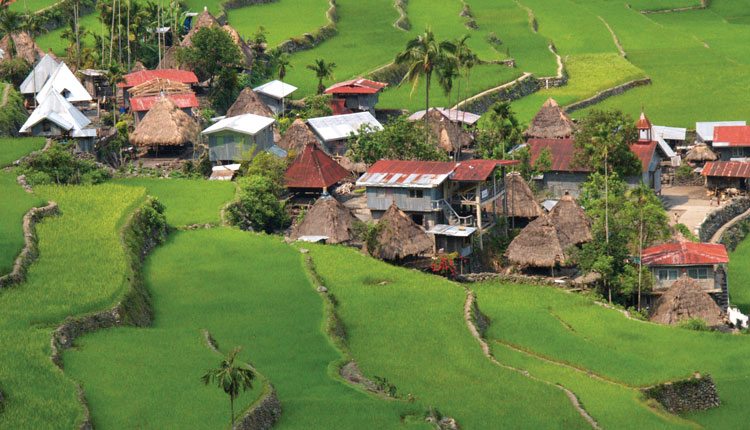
{"points": [[603, 139], [399, 139]]}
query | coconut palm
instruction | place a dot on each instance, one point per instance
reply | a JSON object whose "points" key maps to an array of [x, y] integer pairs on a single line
{"points": [[11, 24], [281, 63], [322, 71], [230, 377], [422, 56], [466, 59]]}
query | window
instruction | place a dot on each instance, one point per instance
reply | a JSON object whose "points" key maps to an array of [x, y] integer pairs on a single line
{"points": [[416, 194], [738, 152], [667, 274], [698, 273], [379, 192]]}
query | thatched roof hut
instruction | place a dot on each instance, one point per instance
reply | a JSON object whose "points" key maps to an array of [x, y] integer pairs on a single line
{"points": [[551, 122], [297, 136], [204, 19], [138, 67], [25, 48], [348, 164], [538, 245], [245, 49], [249, 102], [400, 237], [700, 153], [169, 59], [686, 300], [521, 202], [165, 125], [447, 135], [573, 225], [327, 217]]}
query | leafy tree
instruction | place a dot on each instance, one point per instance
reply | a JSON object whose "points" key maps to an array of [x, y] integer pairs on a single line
{"points": [[603, 143], [231, 378], [268, 165], [466, 59], [500, 131], [526, 168], [315, 106], [281, 62], [422, 56], [323, 70], [399, 139], [258, 207], [11, 23], [14, 70]]}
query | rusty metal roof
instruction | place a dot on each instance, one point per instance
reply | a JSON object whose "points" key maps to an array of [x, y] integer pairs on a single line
{"points": [[137, 78], [356, 86], [428, 174], [645, 152], [737, 135], [727, 169], [562, 152], [685, 254], [313, 169], [478, 170]]}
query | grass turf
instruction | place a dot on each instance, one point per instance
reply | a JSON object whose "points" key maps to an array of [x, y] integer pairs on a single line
{"points": [[247, 290], [12, 149], [739, 276]]}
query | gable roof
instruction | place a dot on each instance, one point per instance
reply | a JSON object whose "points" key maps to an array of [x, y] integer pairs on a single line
{"points": [[705, 130], [145, 103], [427, 174], [562, 152], [245, 124], [337, 127], [57, 109], [62, 79], [732, 135], [478, 170], [645, 153], [669, 133], [356, 86], [275, 89], [137, 78], [551, 122], [313, 168], [727, 169], [685, 254], [39, 75], [454, 115]]}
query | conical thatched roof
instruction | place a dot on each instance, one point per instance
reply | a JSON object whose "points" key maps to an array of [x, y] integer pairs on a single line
{"points": [[351, 166], [521, 202], [400, 237], [169, 59], [448, 135], [551, 122], [138, 67], [249, 102], [573, 225], [686, 300], [538, 245], [245, 49], [327, 217], [165, 125], [204, 19], [297, 136], [701, 152], [25, 47]]}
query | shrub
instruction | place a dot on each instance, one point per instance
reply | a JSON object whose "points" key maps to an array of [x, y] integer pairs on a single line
{"points": [[60, 166], [685, 231], [696, 324], [258, 207], [684, 172]]}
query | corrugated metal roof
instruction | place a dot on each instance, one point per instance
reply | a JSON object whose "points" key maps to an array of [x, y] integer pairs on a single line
{"points": [[313, 169], [645, 152], [478, 170], [452, 230], [245, 124], [64, 82], [727, 169], [338, 127], [669, 133], [57, 109], [38, 77], [733, 135], [144, 104], [562, 152], [705, 130], [454, 115], [685, 254], [276, 89], [401, 173], [137, 78], [356, 86]]}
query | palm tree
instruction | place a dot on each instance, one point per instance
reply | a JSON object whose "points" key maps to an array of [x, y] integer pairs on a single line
{"points": [[466, 59], [230, 377], [10, 25], [281, 63], [322, 71], [421, 56]]}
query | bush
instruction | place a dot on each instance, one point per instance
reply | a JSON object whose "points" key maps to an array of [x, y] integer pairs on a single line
{"points": [[685, 231], [258, 207], [59, 165], [684, 172], [696, 324]]}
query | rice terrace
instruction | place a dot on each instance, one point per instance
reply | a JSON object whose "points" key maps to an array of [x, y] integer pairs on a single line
{"points": [[374, 214]]}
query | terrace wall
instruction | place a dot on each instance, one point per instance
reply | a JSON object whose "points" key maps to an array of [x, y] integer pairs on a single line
{"points": [[717, 219], [694, 394], [602, 95]]}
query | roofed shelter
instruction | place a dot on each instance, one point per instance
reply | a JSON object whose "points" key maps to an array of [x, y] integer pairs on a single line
{"points": [[726, 174], [64, 82], [296, 137], [521, 203], [334, 132], [165, 125], [699, 154], [358, 95], [274, 94], [446, 134], [249, 102], [704, 131], [327, 218], [57, 117], [732, 143], [137, 78], [143, 96], [467, 119], [399, 237], [573, 225], [313, 171], [539, 245], [685, 300], [551, 122], [39, 75]]}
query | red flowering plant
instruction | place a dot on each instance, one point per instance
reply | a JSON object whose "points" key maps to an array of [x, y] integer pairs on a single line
{"points": [[444, 265]]}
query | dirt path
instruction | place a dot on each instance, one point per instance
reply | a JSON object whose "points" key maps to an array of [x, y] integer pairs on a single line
{"points": [[614, 38]]}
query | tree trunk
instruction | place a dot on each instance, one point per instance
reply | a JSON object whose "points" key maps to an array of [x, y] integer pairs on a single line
{"points": [[427, 108], [640, 260], [231, 411]]}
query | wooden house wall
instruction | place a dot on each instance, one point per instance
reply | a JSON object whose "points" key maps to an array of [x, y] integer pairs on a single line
{"points": [[727, 153], [361, 102], [557, 183], [721, 182], [53, 129], [708, 284], [272, 103], [230, 146], [381, 198]]}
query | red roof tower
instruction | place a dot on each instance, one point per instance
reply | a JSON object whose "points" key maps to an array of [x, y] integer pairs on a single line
{"points": [[644, 129], [314, 169]]}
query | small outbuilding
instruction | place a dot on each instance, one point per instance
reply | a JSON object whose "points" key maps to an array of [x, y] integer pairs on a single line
{"points": [[686, 300], [699, 154], [165, 125], [333, 132], [356, 95], [249, 102], [142, 97], [326, 218], [313, 172], [573, 225], [726, 174], [56, 117], [551, 122], [539, 245], [467, 119], [275, 94], [447, 135], [400, 237], [231, 138]]}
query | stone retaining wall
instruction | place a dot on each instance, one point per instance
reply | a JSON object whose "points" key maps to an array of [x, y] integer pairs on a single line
{"points": [[694, 394], [521, 87], [264, 414], [311, 40], [30, 252], [602, 95], [402, 22], [715, 220], [515, 278]]}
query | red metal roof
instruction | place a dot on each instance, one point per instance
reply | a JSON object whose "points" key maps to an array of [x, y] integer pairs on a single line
{"points": [[313, 168], [732, 135], [478, 170], [137, 78], [727, 169], [562, 152], [643, 122], [183, 101], [685, 254], [356, 86], [645, 152]]}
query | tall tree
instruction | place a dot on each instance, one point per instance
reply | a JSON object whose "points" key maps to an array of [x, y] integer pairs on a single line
{"points": [[399, 139], [500, 131], [11, 24], [466, 58], [422, 56], [230, 377], [323, 70]]}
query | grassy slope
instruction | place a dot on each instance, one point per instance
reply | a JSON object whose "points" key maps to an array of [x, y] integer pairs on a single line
{"points": [[197, 283], [572, 329], [11, 149], [85, 237], [412, 332], [282, 19], [53, 40], [739, 276]]}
